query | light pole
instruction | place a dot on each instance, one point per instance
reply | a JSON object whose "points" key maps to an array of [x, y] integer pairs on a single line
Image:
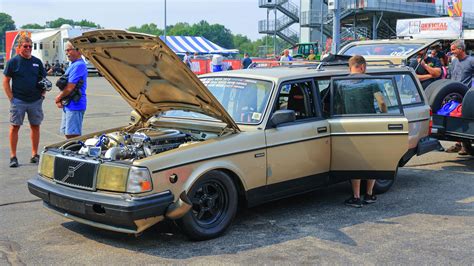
{"points": [[164, 31]]}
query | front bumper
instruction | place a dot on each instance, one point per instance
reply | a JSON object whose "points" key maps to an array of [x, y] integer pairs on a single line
{"points": [[112, 212]]}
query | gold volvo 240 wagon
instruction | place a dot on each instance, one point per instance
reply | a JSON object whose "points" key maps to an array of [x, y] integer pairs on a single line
{"points": [[203, 145]]}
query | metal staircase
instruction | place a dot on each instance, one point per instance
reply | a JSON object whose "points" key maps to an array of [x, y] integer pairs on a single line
{"points": [[280, 27]]}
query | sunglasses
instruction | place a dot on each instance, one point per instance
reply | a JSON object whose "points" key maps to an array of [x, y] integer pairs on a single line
{"points": [[27, 46], [67, 50]]}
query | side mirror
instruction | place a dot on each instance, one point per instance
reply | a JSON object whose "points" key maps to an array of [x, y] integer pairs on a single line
{"points": [[282, 116]]}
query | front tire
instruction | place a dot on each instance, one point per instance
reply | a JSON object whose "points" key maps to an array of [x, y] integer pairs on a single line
{"points": [[214, 198]]}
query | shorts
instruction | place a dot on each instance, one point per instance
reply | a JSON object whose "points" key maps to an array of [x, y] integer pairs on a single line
{"points": [[18, 108], [71, 122]]}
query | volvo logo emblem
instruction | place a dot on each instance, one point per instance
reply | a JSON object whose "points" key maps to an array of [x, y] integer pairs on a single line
{"points": [[71, 170]]}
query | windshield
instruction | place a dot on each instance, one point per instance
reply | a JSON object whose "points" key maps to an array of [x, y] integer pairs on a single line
{"points": [[389, 49], [244, 99]]}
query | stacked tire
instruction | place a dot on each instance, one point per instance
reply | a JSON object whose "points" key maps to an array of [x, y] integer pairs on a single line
{"points": [[468, 112]]}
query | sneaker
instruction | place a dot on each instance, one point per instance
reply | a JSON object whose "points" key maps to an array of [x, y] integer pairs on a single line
{"points": [[35, 159], [369, 199], [353, 202], [13, 162], [455, 148]]}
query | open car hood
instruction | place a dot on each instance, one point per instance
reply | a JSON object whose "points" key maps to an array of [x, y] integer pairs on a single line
{"points": [[397, 58], [148, 74]]}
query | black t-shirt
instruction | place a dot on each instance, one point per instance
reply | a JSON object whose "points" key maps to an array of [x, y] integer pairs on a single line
{"points": [[432, 62], [25, 74], [246, 62]]}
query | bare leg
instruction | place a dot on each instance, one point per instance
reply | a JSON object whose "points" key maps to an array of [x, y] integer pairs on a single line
{"points": [[356, 188], [71, 136], [370, 186], [35, 137], [13, 139]]}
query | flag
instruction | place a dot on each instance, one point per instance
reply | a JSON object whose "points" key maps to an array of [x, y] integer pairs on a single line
{"points": [[454, 8]]}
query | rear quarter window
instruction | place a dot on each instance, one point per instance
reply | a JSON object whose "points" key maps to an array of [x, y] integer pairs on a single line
{"points": [[409, 92]]}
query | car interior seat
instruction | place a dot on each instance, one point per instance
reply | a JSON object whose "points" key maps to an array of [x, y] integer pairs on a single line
{"points": [[296, 102]]}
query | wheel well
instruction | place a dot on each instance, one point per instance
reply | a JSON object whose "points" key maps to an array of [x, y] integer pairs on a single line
{"points": [[238, 184]]}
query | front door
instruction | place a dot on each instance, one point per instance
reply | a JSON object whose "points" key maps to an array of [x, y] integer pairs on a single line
{"points": [[369, 132], [298, 152]]}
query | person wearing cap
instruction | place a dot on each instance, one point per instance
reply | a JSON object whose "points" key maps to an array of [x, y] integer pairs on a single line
{"points": [[24, 71]]}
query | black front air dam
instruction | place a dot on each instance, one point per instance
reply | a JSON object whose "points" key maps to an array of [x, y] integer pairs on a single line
{"points": [[114, 210]]}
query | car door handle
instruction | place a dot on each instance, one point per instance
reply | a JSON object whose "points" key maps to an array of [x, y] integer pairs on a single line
{"points": [[322, 129], [395, 127]]}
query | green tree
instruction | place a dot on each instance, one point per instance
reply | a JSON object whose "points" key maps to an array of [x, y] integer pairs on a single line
{"points": [[180, 29], [86, 23], [215, 33], [148, 29], [243, 44], [59, 22], [32, 26], [6, 24]]}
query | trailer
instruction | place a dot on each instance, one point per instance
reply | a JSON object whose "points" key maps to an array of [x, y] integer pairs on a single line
{"points": [[48, 44]]}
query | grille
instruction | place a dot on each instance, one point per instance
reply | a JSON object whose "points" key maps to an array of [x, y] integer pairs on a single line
{"points": [[75, 173]]}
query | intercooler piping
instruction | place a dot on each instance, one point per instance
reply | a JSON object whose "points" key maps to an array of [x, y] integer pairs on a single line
{"points": [[179, 208]]}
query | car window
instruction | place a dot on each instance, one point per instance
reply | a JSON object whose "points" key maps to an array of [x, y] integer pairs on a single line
{"points": [[297, 96], [369, 96], [409, 93], [244, 99]]}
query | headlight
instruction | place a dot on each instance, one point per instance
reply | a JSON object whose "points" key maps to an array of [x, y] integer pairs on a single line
{"points": [[139, 180], [46, 165], [112, 177]]}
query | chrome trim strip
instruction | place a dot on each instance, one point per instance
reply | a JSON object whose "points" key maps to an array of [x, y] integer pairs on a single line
{"points": [[369, 133]]}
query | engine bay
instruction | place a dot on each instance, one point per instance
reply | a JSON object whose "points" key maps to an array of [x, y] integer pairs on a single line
{"points": [[129, 146]]}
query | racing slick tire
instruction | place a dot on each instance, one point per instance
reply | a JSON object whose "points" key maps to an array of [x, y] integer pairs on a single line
{"points": [[214, 205], [444, 90]]}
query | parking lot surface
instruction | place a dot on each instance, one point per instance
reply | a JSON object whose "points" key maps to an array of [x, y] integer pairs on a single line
{"points": [[426, 218]]}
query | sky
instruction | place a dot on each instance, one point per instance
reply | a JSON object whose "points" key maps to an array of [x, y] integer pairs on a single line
{"points": [[240, 16]]}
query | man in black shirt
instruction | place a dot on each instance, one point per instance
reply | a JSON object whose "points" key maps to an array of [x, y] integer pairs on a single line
{"points": [[24, 71], [427, 70], [247, 61]]}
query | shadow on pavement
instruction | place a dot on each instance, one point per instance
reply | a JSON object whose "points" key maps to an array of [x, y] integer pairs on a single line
{"points": [[415, 192]]}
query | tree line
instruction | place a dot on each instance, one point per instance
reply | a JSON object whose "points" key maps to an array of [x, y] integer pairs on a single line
{"points": [[216, 33]]}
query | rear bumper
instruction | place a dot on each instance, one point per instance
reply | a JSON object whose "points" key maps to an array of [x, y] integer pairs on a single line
{"points": [[112, 212]]}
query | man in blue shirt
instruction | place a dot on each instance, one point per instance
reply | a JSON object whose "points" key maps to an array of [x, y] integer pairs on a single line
{"points": [[24, 70], [73, 112]]}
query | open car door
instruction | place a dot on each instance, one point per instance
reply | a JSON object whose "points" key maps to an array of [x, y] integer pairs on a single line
{"points": [[369, 132]]}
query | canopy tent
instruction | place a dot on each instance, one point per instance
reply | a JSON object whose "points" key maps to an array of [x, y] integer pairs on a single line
{"points": [[192, 44]]}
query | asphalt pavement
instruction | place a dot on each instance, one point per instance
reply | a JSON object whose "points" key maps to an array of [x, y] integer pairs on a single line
{"points": [[426, 218]]}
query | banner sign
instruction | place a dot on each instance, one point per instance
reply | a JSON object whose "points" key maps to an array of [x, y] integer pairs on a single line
{"points": [[447, 27]]}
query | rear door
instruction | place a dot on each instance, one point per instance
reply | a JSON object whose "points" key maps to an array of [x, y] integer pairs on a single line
{"points": [[369, 132]]}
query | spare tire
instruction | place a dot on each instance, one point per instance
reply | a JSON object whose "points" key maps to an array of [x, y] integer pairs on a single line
{"points": [[468, 104], [468, 112], [444, 90]]}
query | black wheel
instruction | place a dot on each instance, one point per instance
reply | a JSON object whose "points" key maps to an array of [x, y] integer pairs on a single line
{"points": [[444, 90], [214, 199], [382, 186]]}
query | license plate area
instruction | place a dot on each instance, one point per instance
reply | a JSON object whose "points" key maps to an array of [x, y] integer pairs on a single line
{"points": [[67, 204]]}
